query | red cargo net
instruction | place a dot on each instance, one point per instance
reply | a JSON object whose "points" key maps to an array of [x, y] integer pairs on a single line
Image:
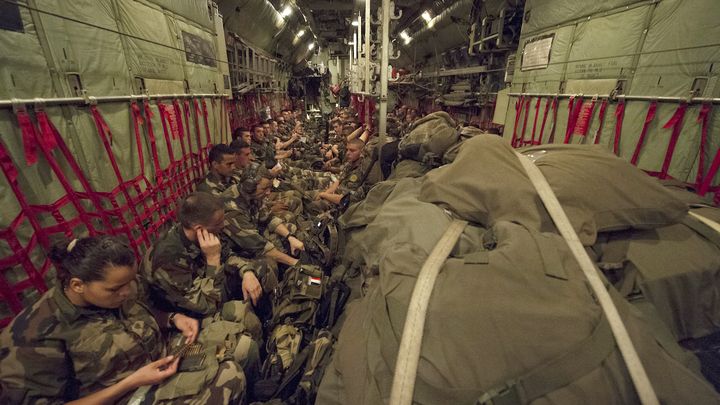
{"points": [[136, 208]]}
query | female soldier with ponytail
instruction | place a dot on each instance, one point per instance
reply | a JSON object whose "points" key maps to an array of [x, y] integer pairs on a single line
{"points": [[89, 341]]}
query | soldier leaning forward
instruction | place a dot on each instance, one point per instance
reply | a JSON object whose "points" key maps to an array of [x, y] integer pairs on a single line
{"points": [[91, 338]]}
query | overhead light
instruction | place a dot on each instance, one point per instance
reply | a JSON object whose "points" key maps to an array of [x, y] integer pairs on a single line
{"points": [[355, 23], [287, 11], [426, 16], [404, 35], [300, 33], [311, 46]]}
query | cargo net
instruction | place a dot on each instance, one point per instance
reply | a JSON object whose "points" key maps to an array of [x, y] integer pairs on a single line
{"points": [[544, 128], [137, 208]]}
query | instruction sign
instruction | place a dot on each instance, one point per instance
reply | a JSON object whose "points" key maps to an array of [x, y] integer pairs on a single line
{"points": [[198, 50], [536, 53]]}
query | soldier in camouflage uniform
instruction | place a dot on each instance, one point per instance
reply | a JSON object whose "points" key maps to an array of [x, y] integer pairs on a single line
{"points": [[255, 232], [351, 179], [91, 338], [189, 271], [263, 150], [218, 181]]}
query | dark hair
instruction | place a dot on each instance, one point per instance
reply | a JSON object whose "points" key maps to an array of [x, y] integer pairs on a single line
{"points": [[238, 144], [260, 125], [87, 258], [237, 133], [218, 151], [198, 209]]}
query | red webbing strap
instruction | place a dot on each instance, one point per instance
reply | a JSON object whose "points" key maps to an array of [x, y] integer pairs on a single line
{"points": [[185, 129], [703, 118], [164, 119], [648, 119], [218, 128], [601, 118], [544, 121], [205, 120], [707, 180], [521, 139], [201, 159], [28, 137], [105, 136], [619, 114], [153, 142], [537, 113], [186, 159], [195, 161], [574, 107], [518, 112], [589, 119], [675, 122], [11, 174], [47, 125], [554, 106], [137, 121]]}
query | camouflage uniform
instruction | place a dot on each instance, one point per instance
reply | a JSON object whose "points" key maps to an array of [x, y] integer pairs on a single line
{"points": [[227, 189], [262, 151], [251, 228], [351, 179], [54, 352], [180, 279]]}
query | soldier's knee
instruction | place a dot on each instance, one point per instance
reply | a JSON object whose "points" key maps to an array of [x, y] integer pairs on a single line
{"points": [[230, 383]]}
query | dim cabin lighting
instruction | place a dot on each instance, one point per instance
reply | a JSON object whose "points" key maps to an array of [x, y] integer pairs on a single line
{"points": [[300, 33], [311, 46], [406, 38], [287, 11], [426, 16], [355, 23]]}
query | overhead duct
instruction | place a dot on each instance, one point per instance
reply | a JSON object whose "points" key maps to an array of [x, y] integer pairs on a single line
{"points": [[260, 24], [446, 34]]}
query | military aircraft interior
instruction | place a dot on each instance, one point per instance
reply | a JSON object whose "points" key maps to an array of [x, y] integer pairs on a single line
{"points": [[332, 202]]}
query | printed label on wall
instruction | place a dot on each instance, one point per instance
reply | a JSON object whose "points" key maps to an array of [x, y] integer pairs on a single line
{"points": [[536, 53], [198, 50]]}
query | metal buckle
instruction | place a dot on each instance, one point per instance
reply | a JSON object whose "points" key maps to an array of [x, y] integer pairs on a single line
{"points": [[503, 395]]}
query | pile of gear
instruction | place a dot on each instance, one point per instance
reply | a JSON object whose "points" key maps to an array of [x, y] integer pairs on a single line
{"points": [[511, 318]]}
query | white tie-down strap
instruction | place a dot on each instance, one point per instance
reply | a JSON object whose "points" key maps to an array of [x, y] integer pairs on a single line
{"points": [[639, 377], [409, 352]]}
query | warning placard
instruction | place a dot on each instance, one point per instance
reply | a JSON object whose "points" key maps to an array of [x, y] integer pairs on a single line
{"points": [[536, 53]]}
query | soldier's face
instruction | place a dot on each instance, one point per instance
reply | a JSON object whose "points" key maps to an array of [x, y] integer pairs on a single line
{"points": [[352, 153], [226, 166], [246, 137], [110, 292], [264, 187], [259, 134], [243, 158]]}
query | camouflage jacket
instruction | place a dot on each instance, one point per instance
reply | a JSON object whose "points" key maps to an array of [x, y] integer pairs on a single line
{"points": [[245, 226], [179, 278], [54, 351], [263, 151], [351, 177], [227, 189]]}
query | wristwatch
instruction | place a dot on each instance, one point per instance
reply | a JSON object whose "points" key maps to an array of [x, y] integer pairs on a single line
{"points": [[171, 319]]}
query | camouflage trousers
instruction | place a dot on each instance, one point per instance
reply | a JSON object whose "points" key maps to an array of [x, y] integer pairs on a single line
{"points": [[292, 199], [228, 387]]}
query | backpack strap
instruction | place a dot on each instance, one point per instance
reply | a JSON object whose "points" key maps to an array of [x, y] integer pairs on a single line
{"points": [[639, 377], [406, 364]]}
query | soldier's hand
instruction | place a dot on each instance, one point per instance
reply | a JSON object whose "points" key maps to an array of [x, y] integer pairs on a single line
{"points": [[295, 245], [210, 246], [188, 326], [278, 206], [251, 287], [155, 372]]}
